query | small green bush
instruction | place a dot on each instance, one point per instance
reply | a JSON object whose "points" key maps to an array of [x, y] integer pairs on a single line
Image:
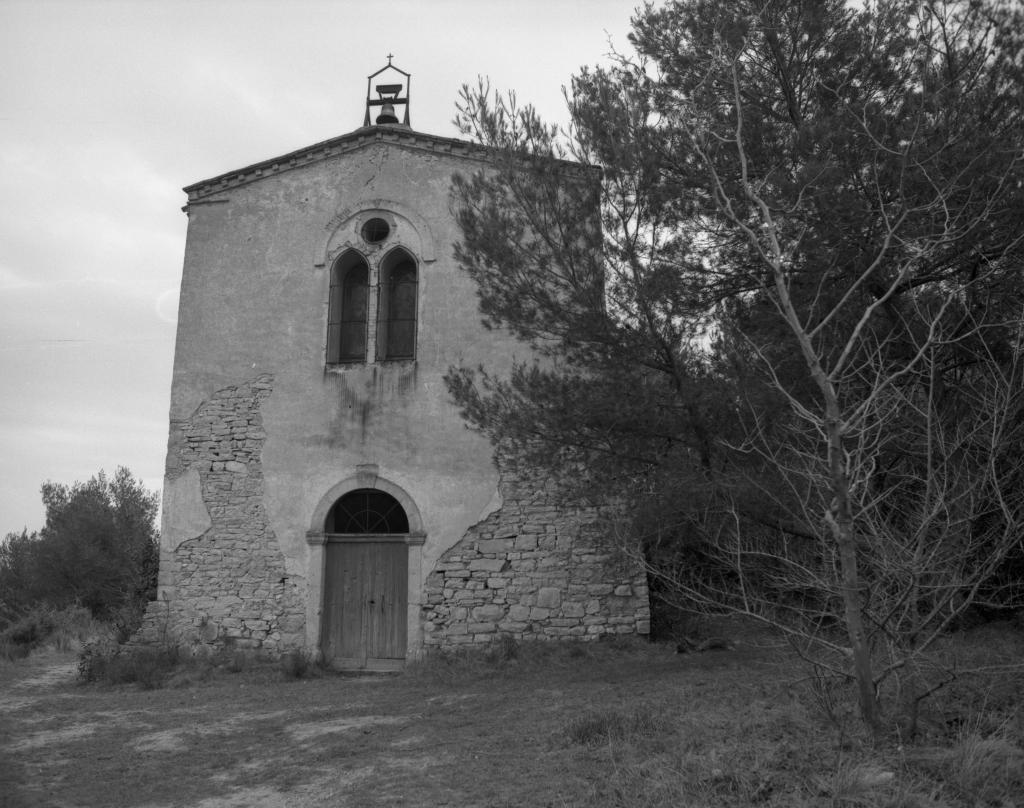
{"points": [[504, 650], [73, 625], [10, 651], [126, 618], [94, 658], [236, 661], [32, 629], [43, 625], [109, 663], [297, 665]]}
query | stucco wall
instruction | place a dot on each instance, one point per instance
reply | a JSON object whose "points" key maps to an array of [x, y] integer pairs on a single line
{"points": [[251, 346]]}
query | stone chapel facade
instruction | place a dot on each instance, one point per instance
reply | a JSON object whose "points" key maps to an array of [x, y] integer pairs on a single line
{"points": [[322, 492]]}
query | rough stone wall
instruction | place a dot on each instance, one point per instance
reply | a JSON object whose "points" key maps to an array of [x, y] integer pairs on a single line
{"points": [[228, 586], [533, 570]]}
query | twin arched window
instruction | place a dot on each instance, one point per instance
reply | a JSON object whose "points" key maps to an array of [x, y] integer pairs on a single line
{"points": [[349, 320]]}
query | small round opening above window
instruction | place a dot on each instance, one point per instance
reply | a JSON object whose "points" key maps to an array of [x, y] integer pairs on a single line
{"points": [[375, 230]]}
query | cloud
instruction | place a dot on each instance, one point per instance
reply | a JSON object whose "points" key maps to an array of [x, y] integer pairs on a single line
{"points": [[87, 369], [167, 305], [108, 107]]}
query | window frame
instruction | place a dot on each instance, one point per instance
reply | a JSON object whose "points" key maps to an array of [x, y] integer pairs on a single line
{"points": [[339, 297], [394, 520], [398, 258]]}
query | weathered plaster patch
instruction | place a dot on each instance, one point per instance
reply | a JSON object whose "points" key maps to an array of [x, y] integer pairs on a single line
{"points": [[493, 506], [184, 512]]}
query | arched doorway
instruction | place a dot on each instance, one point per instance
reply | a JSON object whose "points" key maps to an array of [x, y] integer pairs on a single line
{"points": [[365, 582]]}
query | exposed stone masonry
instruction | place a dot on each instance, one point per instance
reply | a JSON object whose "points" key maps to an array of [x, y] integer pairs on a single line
{"points": [[229, 586], [532, 570]]}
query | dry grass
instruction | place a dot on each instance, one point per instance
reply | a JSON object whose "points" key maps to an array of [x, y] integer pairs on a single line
{"points": [[66, 629], [608, 727], [974, 769], [617, 724]]}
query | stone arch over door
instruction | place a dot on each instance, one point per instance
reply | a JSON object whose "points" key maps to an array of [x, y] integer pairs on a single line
{"points": [[357, 595]]}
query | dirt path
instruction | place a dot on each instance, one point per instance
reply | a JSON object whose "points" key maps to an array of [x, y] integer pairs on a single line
{"points": [[44, 672], [251, 740], [521, 732], [250, 747], [553, 727]]}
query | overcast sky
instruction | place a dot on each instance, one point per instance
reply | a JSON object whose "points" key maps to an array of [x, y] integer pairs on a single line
{"points": [[108, 108]]}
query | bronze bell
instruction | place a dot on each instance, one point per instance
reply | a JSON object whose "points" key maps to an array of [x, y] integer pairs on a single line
{"points": [[387, 114], [388, 97]]}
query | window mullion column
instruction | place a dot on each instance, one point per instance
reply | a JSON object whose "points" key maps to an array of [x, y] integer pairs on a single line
{"points": [[372, 313]]}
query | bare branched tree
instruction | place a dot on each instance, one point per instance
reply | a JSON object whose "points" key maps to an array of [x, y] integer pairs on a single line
{"points": [[795, 351]]}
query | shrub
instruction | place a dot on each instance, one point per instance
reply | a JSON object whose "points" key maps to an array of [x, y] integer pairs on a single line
{"points": [[31, 630], [40, 625], [297, 665], [110, 663], [74, 624], [43, 625], [126, 618], [10, 651], [94, 658], [235, 661], [982, 770], [504, 650]]}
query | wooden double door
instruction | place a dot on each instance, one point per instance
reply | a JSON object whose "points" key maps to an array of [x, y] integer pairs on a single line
{"points": [[365, 602]]}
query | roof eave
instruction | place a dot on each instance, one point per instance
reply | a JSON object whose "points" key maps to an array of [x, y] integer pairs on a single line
{"points": [[356, 139]]}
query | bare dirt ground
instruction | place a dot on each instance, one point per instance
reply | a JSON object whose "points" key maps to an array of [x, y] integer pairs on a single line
{"points": [[465, 737], [636, 726]]}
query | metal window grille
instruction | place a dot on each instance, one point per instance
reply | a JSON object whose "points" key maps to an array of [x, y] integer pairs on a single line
{"points": [[348, 306], [367, 510], [401, 312]]}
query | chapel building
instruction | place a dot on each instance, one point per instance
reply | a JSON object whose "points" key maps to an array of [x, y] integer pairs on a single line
{"points": [[322, 492]]}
